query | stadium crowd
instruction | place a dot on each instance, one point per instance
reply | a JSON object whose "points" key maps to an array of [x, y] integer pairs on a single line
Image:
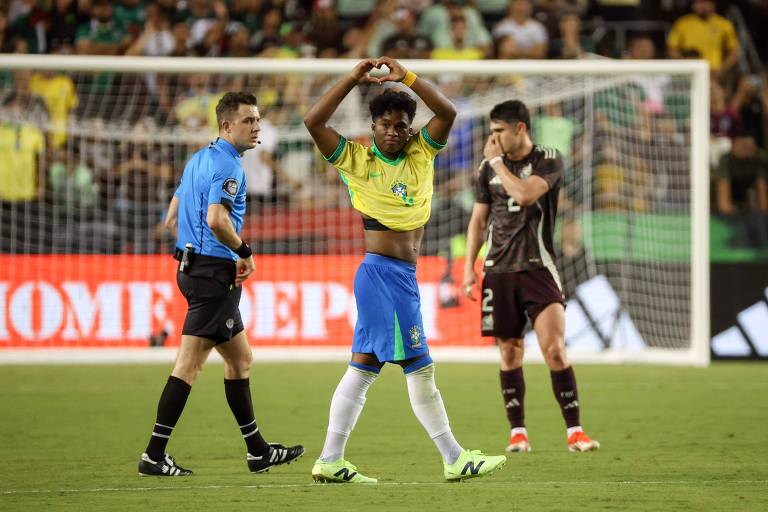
{"points": [[62, 164]]}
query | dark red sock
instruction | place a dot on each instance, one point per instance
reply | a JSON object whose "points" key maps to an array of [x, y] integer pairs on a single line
{"points": [[564, 387], [513, 393]]}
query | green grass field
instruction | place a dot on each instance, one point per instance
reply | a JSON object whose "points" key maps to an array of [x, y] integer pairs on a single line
{"points": [[673, 439]]}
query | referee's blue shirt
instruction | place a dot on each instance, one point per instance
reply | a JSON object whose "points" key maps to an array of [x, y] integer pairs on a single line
{"points": [[214, 175]]}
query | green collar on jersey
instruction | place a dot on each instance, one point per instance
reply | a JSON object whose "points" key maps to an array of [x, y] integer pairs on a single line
{"points": [[378, 153]]}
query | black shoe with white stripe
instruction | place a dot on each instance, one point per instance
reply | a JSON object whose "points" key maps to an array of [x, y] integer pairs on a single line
{"points": [[165, 467], [278, 454]]}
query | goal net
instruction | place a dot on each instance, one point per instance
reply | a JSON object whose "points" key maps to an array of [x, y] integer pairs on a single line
{"points": [[91, 150]]}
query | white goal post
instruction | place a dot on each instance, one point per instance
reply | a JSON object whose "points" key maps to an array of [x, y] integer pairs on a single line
{"points": [[633, 227]]}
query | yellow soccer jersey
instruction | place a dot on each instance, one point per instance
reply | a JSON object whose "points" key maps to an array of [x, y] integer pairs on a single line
{"points": [[397, 193], [709, 37], [21, 147]]}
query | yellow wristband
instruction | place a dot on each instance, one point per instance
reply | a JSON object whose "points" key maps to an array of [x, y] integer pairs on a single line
{"points": [[409, 78]]}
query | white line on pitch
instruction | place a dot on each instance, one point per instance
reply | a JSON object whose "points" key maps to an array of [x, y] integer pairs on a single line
{"points": [[319, 486]]}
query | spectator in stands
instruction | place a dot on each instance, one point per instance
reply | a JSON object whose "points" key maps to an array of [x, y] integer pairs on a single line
{"points": [[751, 96], [71, 182], [709, 34], [26, 20], [101, 35], [196, 108], [401, 21], [623, 181], [458, 47], [741, 191], [247, 13], [548, 13], [529, 35], [354, 43], [22, 145], [324, 30], [435, 21], [131, 15], [571, 44], [259, 167], [724, 121], [181, 40], [156, 40], [268, 40], [145, 184], [58, 91], [238, 42], [64, 18], [642, 47], [742, 177], [207, 22]]}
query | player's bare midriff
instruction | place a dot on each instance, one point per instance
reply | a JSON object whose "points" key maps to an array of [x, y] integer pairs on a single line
{"points": [[403, 245]]}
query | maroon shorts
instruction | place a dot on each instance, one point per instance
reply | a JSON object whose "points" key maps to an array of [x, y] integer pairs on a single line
{"points": [[508, 296]]}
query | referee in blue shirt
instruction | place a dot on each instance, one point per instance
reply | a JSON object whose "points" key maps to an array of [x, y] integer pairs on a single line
{"points": [[208, 207]]}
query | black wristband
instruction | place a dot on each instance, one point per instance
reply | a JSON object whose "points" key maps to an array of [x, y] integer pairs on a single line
{"points": [[244, 251]]}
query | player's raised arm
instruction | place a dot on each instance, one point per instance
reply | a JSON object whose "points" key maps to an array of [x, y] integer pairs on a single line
{"points": [[325, 137], [445, 112]]}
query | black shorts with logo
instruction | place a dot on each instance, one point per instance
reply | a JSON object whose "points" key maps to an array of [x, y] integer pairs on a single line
{"points": [[509, 296], [212, 297]]}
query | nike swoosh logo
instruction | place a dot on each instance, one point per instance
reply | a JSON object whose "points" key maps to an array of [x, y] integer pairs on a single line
{"points": [[374, 175]]}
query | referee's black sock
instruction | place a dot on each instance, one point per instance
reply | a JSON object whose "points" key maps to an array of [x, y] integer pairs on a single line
{"points": [[169, 409], [564, 387], [238, 393]]}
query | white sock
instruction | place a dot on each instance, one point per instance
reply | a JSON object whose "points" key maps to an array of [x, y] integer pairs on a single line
{"points": [[571, 430], [346, 405], [428, 407], [520, 430]]}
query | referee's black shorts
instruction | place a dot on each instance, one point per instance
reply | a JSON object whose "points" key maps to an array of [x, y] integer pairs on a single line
{"points": [[212, 297]]}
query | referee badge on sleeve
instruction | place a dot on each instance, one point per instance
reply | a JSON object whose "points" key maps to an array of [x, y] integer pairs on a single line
{"points": [[230, 187]]}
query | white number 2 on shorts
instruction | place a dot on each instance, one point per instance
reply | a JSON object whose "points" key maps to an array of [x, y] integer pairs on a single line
{"points": [[487, 307]]}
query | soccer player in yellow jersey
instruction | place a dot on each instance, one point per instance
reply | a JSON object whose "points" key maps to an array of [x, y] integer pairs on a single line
{"points": [[390, 184]]}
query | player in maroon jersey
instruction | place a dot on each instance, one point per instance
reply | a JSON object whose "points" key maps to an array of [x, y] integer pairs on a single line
{"points": [[516, 191]]}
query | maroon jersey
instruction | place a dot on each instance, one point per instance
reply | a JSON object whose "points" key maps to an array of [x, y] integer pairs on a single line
{"points": [[520, 237]]}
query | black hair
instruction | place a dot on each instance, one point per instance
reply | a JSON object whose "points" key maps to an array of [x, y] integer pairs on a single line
{"points": [[512, 111], [391, 100], [230, 102]]}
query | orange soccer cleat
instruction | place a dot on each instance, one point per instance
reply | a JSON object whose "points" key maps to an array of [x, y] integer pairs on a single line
{"points": [[519, 443], [580, 442]]}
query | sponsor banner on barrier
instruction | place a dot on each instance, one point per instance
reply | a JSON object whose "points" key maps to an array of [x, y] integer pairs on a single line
{"points": [[123, 300]]}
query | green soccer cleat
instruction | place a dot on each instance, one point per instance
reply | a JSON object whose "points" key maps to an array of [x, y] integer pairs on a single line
{"points": [[339, 472], [473, 464]]}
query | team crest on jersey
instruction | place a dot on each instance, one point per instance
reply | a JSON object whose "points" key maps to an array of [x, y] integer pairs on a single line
{"points": [[230, 187], [526, 171], [415, 333], [400, 189]]}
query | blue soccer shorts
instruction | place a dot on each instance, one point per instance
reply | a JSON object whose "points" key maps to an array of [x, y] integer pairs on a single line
{"points": [[389, 323]]}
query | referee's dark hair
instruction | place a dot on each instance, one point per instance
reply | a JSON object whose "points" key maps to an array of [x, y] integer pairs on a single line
{"points": [[391, 100], [512, 111], [230, 102]]}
